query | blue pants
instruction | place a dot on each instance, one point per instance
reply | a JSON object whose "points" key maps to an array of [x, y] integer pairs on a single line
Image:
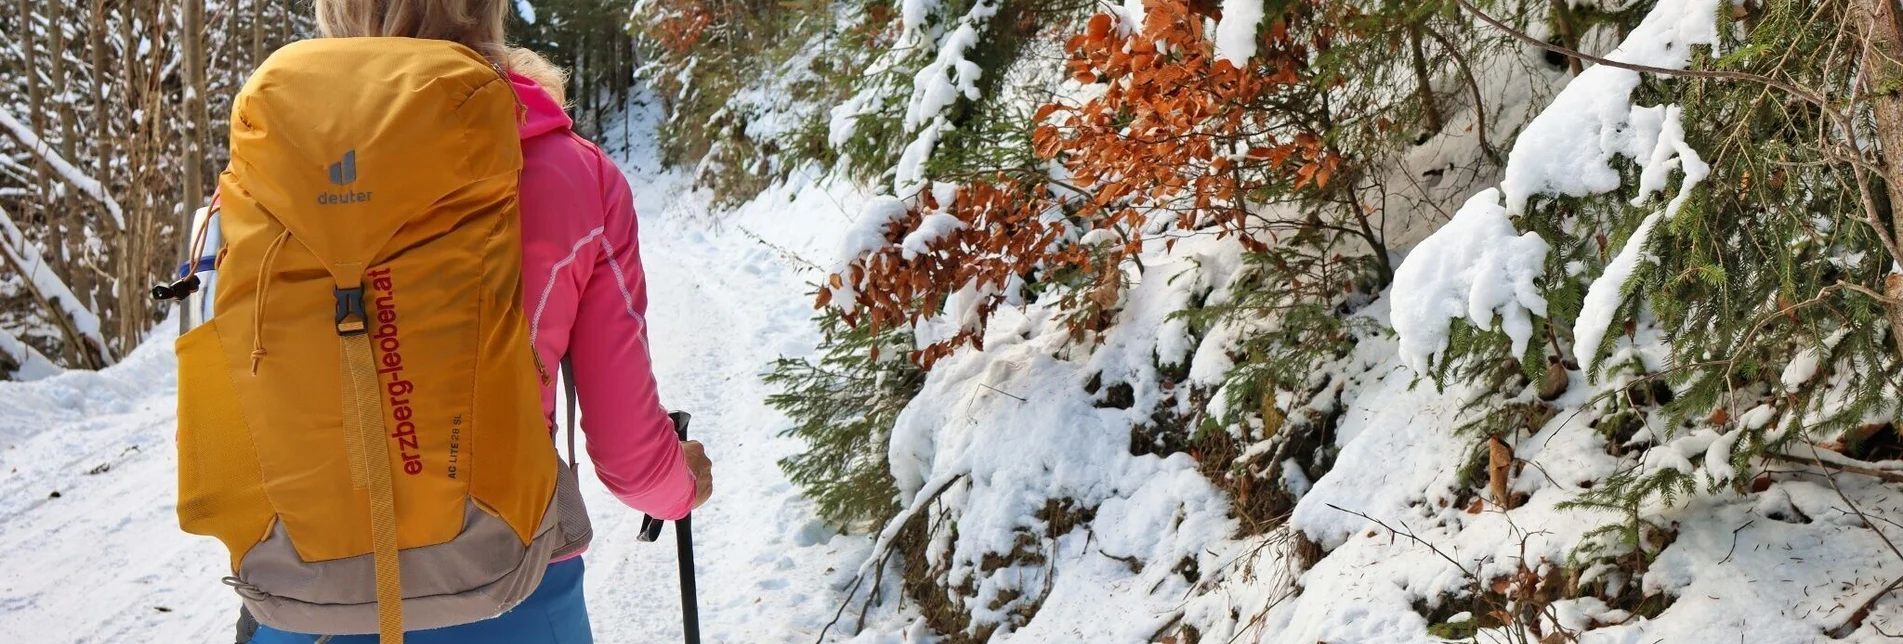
{"points": [[553, 614]]}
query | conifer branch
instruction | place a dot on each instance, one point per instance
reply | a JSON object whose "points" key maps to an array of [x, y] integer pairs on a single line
{"points": [[1823, 106], [1806, 95]]}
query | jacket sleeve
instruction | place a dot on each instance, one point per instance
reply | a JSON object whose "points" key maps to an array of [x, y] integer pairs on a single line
{"points": [[630, 438]]}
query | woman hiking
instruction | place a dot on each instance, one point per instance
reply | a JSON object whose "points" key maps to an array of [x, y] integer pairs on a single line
{"points": [[585, 298]]}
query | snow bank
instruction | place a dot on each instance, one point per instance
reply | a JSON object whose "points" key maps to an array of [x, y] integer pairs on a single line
{"points": [[999, 438], [33, 365], [70, 396]]}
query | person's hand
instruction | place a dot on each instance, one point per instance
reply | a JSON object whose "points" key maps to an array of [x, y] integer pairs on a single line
{"points": [[703, 469]]}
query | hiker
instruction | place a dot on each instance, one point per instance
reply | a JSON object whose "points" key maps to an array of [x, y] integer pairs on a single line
{"points": [[584, 300]]}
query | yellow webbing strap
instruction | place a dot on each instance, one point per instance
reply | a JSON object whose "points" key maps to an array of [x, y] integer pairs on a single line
{"points": [[363, 423]]}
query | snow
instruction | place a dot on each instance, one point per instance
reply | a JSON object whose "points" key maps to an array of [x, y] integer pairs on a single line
{"points": [[1568, 148], [1604, 296], [909, 176], [951, 75], [1777, 567], [912, 14], [1235, 33], [1802, 368], [1009, 431], [1476, 266], [845, 116], [1758, 417], [935, 89], [33, 365], [1133, 12], [935, 227]]}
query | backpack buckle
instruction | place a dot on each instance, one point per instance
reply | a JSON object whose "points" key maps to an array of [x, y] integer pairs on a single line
{"points": [[351, 317]]}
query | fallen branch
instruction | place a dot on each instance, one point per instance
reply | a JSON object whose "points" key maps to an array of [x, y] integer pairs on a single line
{"points": [[75, 177], [29, 363], [79, 326], [1843, 464], [882, 549]]}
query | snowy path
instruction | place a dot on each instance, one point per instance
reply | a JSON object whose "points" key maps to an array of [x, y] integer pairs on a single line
{"points": [[104, 561]]}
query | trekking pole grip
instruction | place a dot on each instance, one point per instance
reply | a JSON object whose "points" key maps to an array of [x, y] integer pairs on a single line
{"points": [[650, 526]]}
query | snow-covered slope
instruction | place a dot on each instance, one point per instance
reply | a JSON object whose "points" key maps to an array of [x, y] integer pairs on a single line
{"points": [[90, 551]]}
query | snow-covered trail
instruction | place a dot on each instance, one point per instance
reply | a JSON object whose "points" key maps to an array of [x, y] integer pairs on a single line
{"points": [[104, 561]]}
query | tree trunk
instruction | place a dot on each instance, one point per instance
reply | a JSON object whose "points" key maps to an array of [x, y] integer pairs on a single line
{"points": [[1883, 37], [1423, 81], [194, 124], [101, 132], [66, 214], [1569, 35], [36, 120], [258, 11], [61, 83]]}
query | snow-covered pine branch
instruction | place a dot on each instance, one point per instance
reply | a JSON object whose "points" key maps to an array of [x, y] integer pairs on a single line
{"points": [[1567, 149]]}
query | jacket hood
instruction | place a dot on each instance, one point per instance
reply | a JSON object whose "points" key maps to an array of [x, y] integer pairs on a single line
{"points": [[544, 115]]}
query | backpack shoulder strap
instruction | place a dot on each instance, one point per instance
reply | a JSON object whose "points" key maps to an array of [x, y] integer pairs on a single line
{"points": [[568, 390]]}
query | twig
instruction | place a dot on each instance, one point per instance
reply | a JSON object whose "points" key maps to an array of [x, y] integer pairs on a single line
{"points": [[1001, 391], [1412, 537], [857, 580], [1174, 620], [1734, 541], [884, 550], [1885, 299]]}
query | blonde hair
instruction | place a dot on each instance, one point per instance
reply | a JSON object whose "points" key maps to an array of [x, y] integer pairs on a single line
{"points": [[476, 24], [533, 66]]}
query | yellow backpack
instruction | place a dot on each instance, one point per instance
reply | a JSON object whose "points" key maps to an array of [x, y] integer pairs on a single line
{"points": [[360, 421]]}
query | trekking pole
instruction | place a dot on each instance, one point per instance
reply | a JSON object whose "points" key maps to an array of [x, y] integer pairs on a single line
{"points": [[684, 536]]}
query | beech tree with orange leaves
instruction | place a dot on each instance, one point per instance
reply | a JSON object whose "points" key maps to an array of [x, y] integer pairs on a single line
{"points": [[1171, 142]]}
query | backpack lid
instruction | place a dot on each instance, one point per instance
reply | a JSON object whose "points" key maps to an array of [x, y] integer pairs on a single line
{"points": [[329, 129]]}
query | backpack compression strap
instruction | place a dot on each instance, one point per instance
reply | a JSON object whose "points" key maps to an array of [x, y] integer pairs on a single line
{"points": [[370, 457]]}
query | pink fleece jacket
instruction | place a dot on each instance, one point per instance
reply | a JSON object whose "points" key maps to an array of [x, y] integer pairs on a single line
{"points": [[587, 298]]}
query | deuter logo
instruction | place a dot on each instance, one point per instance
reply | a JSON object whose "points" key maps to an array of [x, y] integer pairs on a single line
{"points": [[343, 173]]}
